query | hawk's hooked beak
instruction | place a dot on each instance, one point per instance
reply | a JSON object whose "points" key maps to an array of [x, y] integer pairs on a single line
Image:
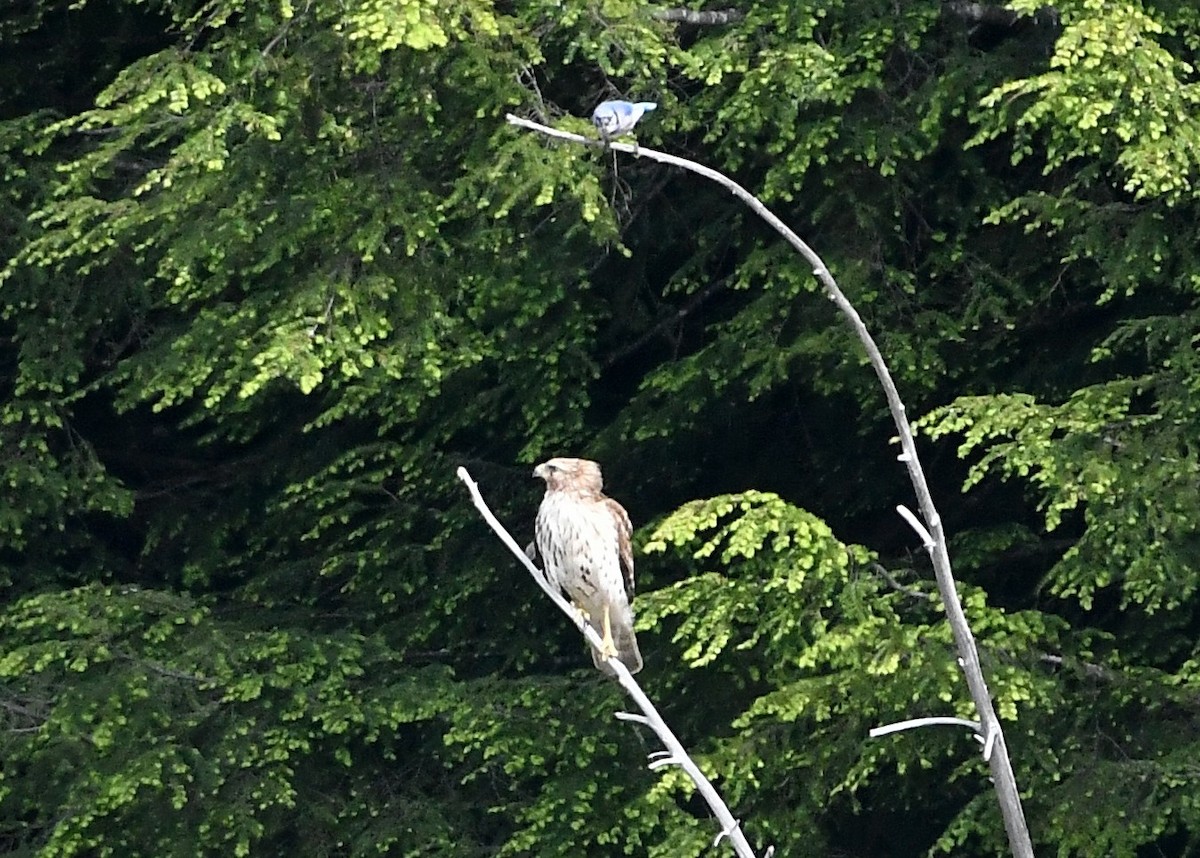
{"points": [[540, 471]]}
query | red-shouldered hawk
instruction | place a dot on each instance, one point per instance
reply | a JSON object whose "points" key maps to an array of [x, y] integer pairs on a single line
{"points": [[584, 539]]}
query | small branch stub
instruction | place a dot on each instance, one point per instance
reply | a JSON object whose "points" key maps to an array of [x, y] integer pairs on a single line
{"points": [[915, 523]]}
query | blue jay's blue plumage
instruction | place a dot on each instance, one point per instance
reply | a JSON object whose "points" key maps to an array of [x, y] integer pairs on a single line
{"points": [[614, 118]]}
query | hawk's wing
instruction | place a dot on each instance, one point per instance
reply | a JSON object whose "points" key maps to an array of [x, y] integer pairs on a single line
{"points": [[624, 542]]}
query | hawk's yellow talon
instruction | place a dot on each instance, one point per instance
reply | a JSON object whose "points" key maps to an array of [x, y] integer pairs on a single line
{"points": [[608, 649]]}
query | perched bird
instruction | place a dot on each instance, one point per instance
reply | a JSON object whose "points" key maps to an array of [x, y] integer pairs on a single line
{"points": [[584, 539], [614, 118]]}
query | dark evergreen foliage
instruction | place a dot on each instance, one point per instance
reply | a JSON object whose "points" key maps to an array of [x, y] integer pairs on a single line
{"points": [[269, 273]]}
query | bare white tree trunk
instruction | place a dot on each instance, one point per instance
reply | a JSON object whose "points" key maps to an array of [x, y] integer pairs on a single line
{"points": [[929, 526]]}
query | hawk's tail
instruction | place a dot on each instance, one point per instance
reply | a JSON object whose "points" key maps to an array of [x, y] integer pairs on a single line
{"points": [[627, 648]]}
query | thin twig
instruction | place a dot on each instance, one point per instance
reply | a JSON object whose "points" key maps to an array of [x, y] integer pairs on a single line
{"points": [[940, 721], [1000, 764], [675, 754], [706, 18], [998, 15], [911, 592], [1089, 669]]}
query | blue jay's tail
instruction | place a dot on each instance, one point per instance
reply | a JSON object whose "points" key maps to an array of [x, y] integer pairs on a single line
{"points": [[646, 106]]}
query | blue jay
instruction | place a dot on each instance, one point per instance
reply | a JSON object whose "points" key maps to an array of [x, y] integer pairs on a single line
{"points": [[614, 118]]}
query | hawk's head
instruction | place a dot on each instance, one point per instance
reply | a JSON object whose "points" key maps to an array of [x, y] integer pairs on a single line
{"points": [[578, 475]]}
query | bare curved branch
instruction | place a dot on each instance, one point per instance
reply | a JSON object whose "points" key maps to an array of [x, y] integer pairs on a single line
{"points": [[675, 754], [941, 721], [996, 747], [715, 17], [996, 15]]}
